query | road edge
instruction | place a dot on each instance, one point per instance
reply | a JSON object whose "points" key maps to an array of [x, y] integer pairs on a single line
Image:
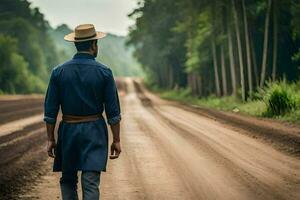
{"points": [[282, 136]]}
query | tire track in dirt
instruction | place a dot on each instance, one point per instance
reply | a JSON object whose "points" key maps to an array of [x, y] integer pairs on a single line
{"points": [[143, 171], [277, 181], [283, 136], [280, 182], [172, 153]]}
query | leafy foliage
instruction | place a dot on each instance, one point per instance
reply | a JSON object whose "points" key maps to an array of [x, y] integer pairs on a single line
{"points": [[256, 107], [15, 74], [27, 52], [281, 98]]}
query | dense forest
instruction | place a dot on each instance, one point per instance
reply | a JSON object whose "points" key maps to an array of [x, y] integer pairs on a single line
{"points": [[219, 47], [30, 48]]}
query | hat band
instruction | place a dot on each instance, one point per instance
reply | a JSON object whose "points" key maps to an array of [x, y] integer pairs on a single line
{"points": [[83, 38]]}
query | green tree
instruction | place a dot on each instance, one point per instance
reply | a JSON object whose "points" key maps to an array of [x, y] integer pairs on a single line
{"points": [[33, 50], [15, 75]]}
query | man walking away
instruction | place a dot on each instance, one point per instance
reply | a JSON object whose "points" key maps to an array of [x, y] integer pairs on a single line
{"points": [[82, 88]]}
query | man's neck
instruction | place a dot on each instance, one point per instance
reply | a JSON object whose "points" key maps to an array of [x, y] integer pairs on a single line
{"points": [[88, 52]]}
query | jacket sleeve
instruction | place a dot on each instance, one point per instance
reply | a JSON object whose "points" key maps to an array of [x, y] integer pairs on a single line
{"points": [[51, 104], [111, 100]]}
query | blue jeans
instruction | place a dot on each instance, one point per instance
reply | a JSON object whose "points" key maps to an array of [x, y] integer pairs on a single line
{"points": [[90, 181]]}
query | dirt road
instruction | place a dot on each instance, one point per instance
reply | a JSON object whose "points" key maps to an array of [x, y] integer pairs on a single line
{"points": [[171, 153]]}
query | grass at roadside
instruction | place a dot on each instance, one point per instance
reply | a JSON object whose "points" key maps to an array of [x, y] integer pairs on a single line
{"points": [[262, 105]]}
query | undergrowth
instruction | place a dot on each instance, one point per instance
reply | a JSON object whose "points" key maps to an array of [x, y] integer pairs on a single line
{"points": [[280, 100]]}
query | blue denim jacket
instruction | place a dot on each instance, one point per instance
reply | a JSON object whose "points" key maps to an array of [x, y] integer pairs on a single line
{"points": [[82, 86]]}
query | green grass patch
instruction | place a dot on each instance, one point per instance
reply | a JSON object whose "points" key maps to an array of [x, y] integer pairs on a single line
{"points": [[278, 100]]}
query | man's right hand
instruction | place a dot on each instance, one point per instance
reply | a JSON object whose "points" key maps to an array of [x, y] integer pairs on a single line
{"points": [[51, 148], [115, 150]]}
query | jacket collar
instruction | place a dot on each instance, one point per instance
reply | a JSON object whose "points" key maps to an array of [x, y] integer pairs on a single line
{"points": [[82, 55]]}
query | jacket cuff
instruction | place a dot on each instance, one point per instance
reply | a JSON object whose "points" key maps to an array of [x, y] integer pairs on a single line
{"points": [[49, 120], [114, 120]]}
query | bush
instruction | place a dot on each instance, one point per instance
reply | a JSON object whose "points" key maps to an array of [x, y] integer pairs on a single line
{"points": [[280, 98]]}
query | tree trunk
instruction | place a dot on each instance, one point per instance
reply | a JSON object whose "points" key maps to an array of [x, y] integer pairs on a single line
{"points": [[275, 38], [192, 82], [215, 62], [265, 49], [171, 77], [199, 83], [239, 51], [231, 60], [189, 80], [195, 84], [223, 64], [224, 78], [249, 64], [160, 78], [213, 44], [256, 78]]}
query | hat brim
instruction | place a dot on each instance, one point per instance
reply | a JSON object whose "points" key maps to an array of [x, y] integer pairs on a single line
{"points": [[71, 37]]}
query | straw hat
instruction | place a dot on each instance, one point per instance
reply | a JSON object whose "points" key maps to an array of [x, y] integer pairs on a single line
{"points": [[84, 32]]}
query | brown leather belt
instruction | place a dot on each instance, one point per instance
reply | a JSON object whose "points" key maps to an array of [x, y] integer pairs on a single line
{"points": [[79, 119]]}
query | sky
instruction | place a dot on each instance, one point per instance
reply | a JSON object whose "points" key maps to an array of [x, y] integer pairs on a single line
{"points": [[107, 15]]}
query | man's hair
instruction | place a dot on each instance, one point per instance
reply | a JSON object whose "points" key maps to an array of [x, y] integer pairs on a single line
{"points": [[84, 46]]}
